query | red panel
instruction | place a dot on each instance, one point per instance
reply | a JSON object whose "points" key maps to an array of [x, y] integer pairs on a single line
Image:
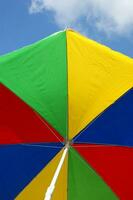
{"points": [[114, 164], [20, 124]]}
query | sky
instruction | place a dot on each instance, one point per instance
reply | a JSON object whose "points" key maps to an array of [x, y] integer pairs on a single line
{"points": [[26, 21]]}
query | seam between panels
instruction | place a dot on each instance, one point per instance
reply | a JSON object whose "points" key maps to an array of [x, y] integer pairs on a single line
{"points": [[67, 135], [101, 113], [67, 117], [38, 115], [90, 167]]}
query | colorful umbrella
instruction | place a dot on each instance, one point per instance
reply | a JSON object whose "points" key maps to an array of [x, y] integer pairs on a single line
{"points": [[66, 121]]}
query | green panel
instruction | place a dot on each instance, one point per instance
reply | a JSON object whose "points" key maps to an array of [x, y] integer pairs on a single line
{"points": [[84, 183], [37, 74]]}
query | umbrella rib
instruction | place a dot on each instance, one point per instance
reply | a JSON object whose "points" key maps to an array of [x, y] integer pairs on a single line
{"points": [[47, 126], [39, 145]]}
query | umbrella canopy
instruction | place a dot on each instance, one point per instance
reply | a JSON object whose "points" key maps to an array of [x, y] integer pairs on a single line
{"points": [[66, 121]]}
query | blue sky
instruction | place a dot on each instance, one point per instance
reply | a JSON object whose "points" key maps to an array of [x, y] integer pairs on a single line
{"points": [[26, 21]]}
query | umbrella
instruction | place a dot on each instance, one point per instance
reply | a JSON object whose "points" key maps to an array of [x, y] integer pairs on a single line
{"points": [[66, 121]]}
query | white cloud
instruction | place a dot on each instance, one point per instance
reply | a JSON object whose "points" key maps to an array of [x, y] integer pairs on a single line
{"points": [[106, 15]]}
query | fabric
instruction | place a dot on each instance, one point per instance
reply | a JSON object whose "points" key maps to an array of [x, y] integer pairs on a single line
{"points": [[114, 165], [20, 124], [19, 164], [84, 183], [97, 76], [37, 74], [37, 188], [113, 127]]}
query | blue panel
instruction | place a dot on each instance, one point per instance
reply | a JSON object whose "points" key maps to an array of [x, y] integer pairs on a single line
{"points": [[113, 126], [19, 164]]}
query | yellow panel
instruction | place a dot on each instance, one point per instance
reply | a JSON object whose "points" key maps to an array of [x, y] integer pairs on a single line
{"points": [[60, 192], [97, 76], [38, 186]]}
